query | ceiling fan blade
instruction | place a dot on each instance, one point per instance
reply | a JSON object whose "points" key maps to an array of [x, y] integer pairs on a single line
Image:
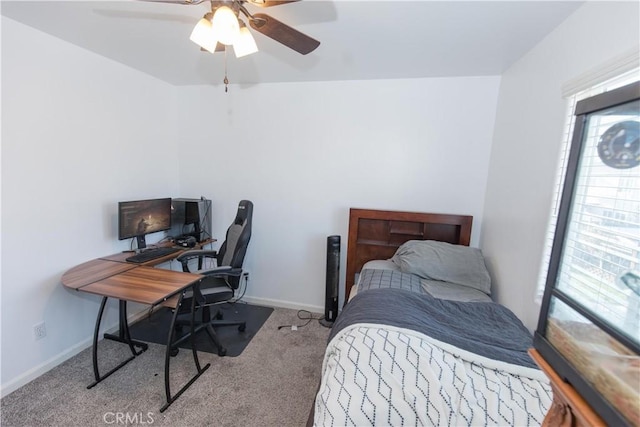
{"points": [[269, 3], [283, 33]]}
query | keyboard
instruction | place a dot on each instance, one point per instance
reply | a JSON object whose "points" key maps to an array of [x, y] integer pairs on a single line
{"points": [[151, 254]]}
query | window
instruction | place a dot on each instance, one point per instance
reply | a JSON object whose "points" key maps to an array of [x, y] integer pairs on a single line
{"points": [[610, 83], [589, 325], [603, 237]]}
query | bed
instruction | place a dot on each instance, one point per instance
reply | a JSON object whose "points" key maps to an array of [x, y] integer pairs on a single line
{"points": [[419, 340]]}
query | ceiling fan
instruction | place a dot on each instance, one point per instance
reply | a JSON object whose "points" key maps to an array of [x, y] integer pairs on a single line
{"points": [[260, 22]]}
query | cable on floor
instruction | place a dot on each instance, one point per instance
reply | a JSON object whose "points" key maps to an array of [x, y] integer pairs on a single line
{"points": [[308, 317]]}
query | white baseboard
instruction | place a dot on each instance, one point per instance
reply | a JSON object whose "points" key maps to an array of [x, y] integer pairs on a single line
{"points": [[283, 304], [45, 367]]}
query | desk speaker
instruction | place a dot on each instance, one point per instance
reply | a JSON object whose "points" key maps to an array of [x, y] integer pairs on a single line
{"points": [[332, 280]]}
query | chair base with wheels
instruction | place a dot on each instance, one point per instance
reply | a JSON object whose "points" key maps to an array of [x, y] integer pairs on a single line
{"points": [[208, 326]]}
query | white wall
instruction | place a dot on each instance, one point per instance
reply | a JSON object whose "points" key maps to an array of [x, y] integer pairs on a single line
{"points": [[79, 134], [528, 133], [305, 153], [82, 133]]}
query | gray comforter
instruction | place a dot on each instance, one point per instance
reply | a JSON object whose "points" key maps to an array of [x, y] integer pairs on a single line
{"points": [[486, 329]]}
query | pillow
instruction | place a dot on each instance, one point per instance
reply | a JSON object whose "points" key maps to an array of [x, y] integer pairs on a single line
{"points": [[442, 261]]}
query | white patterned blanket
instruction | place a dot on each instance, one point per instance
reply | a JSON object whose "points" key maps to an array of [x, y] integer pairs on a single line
{"points": [[385, 375]]}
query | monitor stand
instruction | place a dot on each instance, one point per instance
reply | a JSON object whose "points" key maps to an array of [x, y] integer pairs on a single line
{"points": [[142, 244]]}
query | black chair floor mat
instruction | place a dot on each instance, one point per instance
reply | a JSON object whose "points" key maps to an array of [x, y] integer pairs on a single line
{"points": [[155, 328]]}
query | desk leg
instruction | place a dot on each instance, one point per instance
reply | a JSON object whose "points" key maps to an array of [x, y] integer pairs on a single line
{"points": [[126, 338], [167, 357], [123, 335]]}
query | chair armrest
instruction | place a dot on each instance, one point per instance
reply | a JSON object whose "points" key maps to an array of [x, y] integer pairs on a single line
{"points": [[196, 253], [186, 256], [223, 271]]}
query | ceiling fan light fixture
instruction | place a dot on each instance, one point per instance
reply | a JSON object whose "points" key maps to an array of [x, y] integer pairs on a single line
{"points": [[245, 44], [203, 36], [225, 26]]}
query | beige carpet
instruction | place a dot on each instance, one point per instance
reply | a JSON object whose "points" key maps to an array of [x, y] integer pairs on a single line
{"points": [[272, 383]]}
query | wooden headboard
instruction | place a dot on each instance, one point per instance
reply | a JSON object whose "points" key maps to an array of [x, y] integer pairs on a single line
{"points": [[375, 234]]}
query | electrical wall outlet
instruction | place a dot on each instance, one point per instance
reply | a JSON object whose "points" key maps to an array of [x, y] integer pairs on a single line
{"points": [[39, 331]]}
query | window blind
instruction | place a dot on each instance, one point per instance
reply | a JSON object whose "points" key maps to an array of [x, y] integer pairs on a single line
{"points": [[606, 83], [603, 234]]}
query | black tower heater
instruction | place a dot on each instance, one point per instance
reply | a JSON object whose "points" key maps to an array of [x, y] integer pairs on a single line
{"points": [[333, 274]]}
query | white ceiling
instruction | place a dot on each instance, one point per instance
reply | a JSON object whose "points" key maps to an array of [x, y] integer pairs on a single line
{"points": [[360, 40]]}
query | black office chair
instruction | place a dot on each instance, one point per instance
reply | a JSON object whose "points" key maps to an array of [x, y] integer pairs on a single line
{"points": [[220, 282]]}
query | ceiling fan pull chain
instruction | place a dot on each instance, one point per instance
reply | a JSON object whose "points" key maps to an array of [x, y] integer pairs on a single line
{"points": [[226, 80]]}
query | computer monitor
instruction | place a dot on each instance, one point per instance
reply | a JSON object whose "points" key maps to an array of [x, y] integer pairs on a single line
{"points": [[141, 217], [191, 217], [191, 214]]}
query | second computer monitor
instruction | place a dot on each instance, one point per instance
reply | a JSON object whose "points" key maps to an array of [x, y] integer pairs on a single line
{"points": [[191, 217]]}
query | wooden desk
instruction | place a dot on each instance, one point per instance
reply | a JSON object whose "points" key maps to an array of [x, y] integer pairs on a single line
{"points": [[111, 277], [122, 256], [141, 284], [92, 271]]}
